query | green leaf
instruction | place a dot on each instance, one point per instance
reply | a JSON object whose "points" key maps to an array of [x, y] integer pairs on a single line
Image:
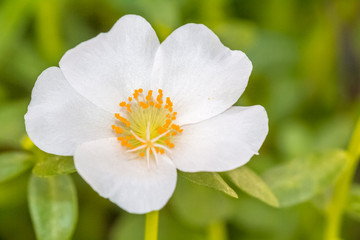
{"points": [[303, 178], [51, 165], [353, 204], [199, 206], [13, 164], [12, 127], [13, 16], [251, 183], [48, 29], [211, 180], [354, 147], [53, 207], [131, 226]]}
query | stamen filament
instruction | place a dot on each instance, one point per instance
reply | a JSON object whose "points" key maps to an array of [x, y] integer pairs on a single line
{"points": [[148, 156], [155, 155], [148, 132], [137, 148], [162, 146], [160, 136], [145, 116], [137, 137]]}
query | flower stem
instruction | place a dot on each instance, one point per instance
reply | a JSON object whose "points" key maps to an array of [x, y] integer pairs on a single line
{"points": [[337, 205], [151, 225], [217, 231]]}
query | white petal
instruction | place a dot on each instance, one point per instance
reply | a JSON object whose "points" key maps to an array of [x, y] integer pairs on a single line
{"points": [[58, 118], [222, 143], [201, 75], [124, 178], [106, 69]]}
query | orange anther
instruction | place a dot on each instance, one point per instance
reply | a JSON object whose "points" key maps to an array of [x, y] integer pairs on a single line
{"points": [[161, 130], [118, 130], [128, 107], [136, 95], [167, 123], [159, 97], [168, 102], [144, 101], [174, 126], [144, 105], [171, 145], [148, 97], [122, 119]]}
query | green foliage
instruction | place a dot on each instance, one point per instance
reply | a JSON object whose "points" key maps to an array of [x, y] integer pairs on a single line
{"points": [[353, 204], [13, 164], [305, 57], [303, 178], [211, 180], [354, 148], [48, 29], [191, 200], [248, 181], [53, 207], [12, 128], [129, 226], [13, 15], [50, 165]]}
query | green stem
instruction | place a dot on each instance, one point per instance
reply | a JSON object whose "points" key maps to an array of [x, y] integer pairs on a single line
{"points": [[337, 205], [217, 231], [151, 225]]}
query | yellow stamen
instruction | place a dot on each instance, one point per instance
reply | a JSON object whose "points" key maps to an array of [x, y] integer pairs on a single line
{"points": [[147, 127]]}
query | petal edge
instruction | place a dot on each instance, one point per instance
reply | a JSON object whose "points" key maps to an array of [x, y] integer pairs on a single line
{"points": [[201, 76], [125, 179], [222, 143]]}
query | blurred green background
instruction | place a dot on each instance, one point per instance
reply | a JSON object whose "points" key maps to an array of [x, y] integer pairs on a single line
{"points": [[306, 58]]}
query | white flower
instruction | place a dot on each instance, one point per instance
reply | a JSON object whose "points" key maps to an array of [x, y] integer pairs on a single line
{"points": [[175, 110]]}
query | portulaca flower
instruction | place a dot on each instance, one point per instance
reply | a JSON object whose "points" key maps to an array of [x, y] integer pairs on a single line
{"points": [[131, 110]]}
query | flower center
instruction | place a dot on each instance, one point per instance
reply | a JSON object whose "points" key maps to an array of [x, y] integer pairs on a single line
{"points": [[146, 125]]}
